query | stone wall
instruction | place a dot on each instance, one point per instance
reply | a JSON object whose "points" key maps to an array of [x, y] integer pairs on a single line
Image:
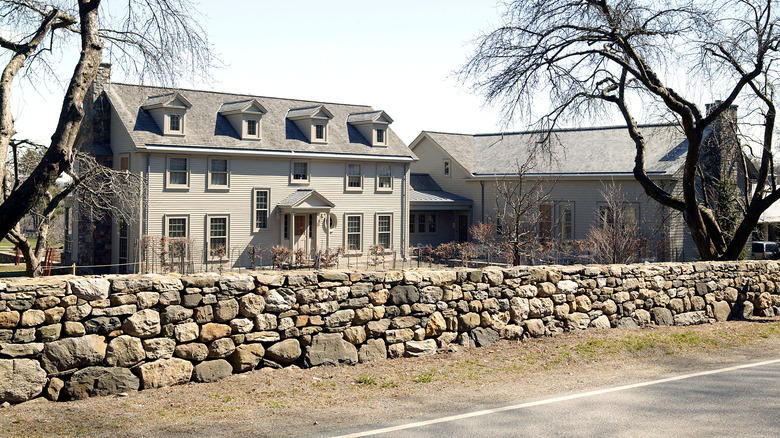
{"points": [[75, 337]]}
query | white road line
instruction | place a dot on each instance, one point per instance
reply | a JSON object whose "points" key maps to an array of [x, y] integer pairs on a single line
{"points": [[552, 400]]}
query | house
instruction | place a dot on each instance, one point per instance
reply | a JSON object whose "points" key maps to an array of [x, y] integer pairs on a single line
{"points": [[456, 181], [231, 173]]}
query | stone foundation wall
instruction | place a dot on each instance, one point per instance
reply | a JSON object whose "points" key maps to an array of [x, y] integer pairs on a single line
{"points": [[75, 337]]}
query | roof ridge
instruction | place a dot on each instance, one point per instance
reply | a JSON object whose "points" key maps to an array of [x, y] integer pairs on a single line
{"points": [[316, 102], [539, 131]]}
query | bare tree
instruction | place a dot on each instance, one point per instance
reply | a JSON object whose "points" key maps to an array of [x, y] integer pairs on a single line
{"points": [[101, 191], [617, 238], [518, 199], [594, 56], [154, 39]]}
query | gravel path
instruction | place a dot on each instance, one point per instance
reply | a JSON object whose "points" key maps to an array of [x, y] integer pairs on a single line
{"points": [[327, 401]]}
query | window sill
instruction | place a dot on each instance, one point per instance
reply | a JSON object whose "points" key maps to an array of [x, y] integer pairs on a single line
{"points": [[354, 189], [384, 190], [177, 188], [218, 189]]}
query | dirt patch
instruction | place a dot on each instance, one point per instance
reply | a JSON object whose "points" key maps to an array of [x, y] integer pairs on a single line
{"points": [[326, 401]]}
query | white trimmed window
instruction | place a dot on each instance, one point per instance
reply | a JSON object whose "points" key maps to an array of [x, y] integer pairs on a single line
{"points": [[218, 237], [299, 172], [384, 230], [426, 222], [384, 177], [176, 226], [218, 173], [565, 220], [354, 232], [354, 177], [251, 128], [319, 131], [261, 202], [174, 123], [446, 169], [178, 172], [380, 135]]}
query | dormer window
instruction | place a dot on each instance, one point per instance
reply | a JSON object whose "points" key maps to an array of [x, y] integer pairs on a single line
{"points": [[372, 125], [312, 121], [169, 111], [246, 118], [446, 167], [175, 122]]}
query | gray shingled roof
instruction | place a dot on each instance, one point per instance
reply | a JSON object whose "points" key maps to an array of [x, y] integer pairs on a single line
{"points": [[300, 195], [574, 151], [206, 128], [236, 106], [370, 116], [425, 192]]}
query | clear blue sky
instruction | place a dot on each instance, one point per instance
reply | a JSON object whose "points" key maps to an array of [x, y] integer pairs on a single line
{"points": [[397, 56]]}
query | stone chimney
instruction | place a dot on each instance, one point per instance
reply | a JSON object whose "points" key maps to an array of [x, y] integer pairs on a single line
{"points": [[730, 114], [102, 80]]}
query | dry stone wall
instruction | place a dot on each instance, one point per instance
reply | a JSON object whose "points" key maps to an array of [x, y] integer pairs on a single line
{"points": [[75, 337]]}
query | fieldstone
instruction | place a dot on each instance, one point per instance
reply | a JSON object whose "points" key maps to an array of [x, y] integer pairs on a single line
{"points": [[721, 310], [191, 300], [21, 350], [627, 323], [165, 372], [71, 353], [534, 327], [90, 288], [237, 284], [676, 305], [125, 351], [147, 300], [404, 294], [212, 370], [242, 325], [102, 325], [330, 349], [373, 350], [221, 348], [377, 328], [73, 328], [100, 381], [567, 286], [175, 313], [643, 316], [582, 303], [396, 350], [203, 314], [77, 313], [440, 278], [662, 316], [512, 331], [32, 317], [208, 279], [127, 309], [54, 388], [404, 322], [730, 294], [609, 307], [265, 322], [159, 348], [279, 300], [379, 297], [540, 307], [273, 280], [53, 315], [602, 322], [690, 318], [143, 324], [170, 298], [167, 284], [436, 325], [468, 321], [519, 308], [284, 352], [213, 330], [225, 310], [251, 305], [400, 335], [27, 335], [194, 351], [186, 332], [420, 348], [20, 380], [342, 318], [482, 336], [263, 337], [48, 333], [577, 321], [246, 357]]}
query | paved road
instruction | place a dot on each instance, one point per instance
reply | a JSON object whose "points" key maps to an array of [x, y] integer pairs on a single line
{"points": [[734, 401]]}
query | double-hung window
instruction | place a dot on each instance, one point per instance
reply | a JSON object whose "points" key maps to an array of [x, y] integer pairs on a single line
{"points": [[319, 132], [218, 173], [426, 222], [380, 135], [178, 172], [384, 177], [251, 128], [261, 209], [354, 177], [300, 172], [218, 236], [565, 220], [174, 124], [384, 227], [354, 231]]}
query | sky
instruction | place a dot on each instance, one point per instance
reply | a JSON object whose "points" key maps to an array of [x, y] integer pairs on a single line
{"points": [[397, 56]]}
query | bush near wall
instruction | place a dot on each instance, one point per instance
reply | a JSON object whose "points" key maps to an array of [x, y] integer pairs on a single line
{"points": [[75, 337]]}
